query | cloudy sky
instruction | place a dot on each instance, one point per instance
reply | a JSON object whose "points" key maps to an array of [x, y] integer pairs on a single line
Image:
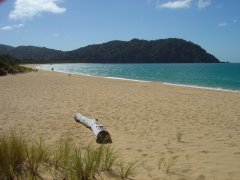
{"points": [[70, 24]]}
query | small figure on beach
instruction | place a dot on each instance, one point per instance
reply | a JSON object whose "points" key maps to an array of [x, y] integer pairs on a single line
{"points": [[52, 69]]}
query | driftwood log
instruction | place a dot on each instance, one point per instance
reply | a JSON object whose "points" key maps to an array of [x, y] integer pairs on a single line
{"points": [[100, 133]]}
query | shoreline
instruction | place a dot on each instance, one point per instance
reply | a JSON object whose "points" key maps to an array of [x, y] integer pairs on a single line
{"points": [[135, 80]]}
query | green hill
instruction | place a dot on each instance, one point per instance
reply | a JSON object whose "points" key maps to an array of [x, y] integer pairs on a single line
{"points": [[135, 51]]}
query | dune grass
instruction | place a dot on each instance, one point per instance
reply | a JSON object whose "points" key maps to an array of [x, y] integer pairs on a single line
{"points": [[22, 160], [12, 156], [37, 154], [168, 167], [126, 171]]}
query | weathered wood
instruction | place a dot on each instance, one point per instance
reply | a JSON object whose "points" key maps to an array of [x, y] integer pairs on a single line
{"points": [[100, 133]]}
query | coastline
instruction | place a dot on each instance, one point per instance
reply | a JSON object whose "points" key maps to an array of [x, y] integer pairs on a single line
{"points": [[144, 120], [135, 80]]}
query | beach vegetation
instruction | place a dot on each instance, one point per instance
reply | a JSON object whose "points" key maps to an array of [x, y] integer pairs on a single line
{"points": [[37, 154], [13, 155], [61, 155], [9, 65], [127, 170], [167, 166], [63, 160]]}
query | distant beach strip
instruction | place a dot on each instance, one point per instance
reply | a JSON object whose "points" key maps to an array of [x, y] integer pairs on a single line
{"points": [[223, 77]]}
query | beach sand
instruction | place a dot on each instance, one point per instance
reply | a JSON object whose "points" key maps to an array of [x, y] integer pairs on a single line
{"points": [[195, 133]]}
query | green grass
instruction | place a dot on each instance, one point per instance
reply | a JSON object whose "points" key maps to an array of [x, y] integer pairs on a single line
{"points": [[86, 163], [110, 157], [22, 160], [12, 156], [37, 154], [61, 155], [126, 171]]}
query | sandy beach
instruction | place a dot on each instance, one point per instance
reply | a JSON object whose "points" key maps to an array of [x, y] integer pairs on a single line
{"points": [[194, 132]]}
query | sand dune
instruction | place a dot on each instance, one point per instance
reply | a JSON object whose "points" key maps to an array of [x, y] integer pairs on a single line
{"points": [[193, 132]]}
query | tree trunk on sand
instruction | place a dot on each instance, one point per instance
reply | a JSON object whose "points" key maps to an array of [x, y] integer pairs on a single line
{"points": [[100, 133]]}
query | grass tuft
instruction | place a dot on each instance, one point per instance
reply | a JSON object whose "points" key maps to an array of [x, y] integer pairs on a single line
{"points": [[61, 155], [37, 154], [125, 171], [19, 160], [168, 166], [109, 158], [12, 156]]}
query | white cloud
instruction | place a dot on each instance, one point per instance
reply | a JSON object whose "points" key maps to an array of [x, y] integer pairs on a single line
{"points": [[27, 9], [16, 26], [179, 4], [235, 21], [203, 3], [222, 24]]}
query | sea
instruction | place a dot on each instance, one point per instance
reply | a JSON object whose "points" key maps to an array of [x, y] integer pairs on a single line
{"points": [[222, 76]]}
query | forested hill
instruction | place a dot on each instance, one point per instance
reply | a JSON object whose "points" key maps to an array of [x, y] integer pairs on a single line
{"points": [[31, 54], [135, 51]]}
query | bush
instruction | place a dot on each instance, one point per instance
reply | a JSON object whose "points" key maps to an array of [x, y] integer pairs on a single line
{"points": [[8, 65]]}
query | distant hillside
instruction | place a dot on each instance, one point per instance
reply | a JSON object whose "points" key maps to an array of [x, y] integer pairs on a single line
{"points": [[135, 51], [8, 65], [31, 54]]}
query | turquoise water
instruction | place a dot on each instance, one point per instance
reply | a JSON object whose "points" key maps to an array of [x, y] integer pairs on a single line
{"points": [[217, 76]]}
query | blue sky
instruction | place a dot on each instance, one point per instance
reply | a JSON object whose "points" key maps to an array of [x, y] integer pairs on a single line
{"points": [[70, 24]]}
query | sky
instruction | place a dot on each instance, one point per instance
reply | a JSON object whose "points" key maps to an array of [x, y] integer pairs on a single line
{"points": [[71, 24]]}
